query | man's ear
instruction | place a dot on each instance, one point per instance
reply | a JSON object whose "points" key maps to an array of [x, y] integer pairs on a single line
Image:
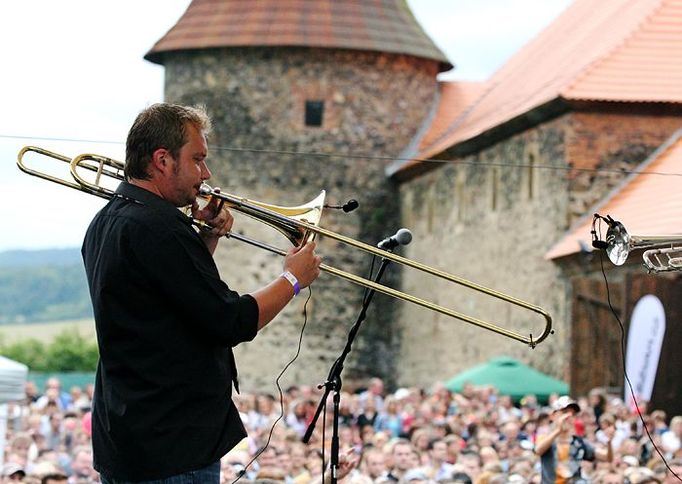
{"points": [[161, 160]]}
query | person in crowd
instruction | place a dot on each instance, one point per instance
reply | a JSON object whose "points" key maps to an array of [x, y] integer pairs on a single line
{"points": [[561, 451], [674, 473], [438, 469], [53, 394], [373, 464], [659, 418], [12, 472], [402, 458], [506, 409], [368, 415], [375, 391], [166, 322], [389, 419], [31, 391], [81, 466], [470, 463], [597, 401], [671, 440], [56, 478]]}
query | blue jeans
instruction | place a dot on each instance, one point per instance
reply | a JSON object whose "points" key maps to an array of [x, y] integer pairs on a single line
{"points": [[207, 475]]}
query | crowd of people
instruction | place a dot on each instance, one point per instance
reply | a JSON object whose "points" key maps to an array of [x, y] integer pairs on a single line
{"points": [[412, 435]]}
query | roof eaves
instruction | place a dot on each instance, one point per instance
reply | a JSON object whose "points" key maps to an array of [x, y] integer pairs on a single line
{"points": [[545, 112]]}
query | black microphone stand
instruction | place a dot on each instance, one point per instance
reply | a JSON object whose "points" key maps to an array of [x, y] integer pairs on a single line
{"points": [[333, 382]]}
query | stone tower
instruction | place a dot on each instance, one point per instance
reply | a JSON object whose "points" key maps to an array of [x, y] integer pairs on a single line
{"points": [[307, 95]]}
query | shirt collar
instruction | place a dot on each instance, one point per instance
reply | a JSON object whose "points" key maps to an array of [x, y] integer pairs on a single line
{"points": [[141, 195]]}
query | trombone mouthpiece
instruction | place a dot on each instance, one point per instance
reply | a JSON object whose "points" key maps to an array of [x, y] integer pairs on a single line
{"points": [[205, 189]]}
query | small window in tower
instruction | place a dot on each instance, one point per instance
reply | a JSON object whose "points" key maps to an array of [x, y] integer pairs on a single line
{"points": [[314, 110]]}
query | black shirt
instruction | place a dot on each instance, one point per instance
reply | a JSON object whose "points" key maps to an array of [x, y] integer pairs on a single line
{"points": [[165, 327]]}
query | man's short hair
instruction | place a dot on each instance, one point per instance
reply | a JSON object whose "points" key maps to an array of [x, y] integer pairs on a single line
{"points": [[399, 442], [55, 477], [161, 125]]}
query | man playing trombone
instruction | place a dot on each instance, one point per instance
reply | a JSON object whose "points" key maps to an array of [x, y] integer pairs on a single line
{"points": [[165, 321]]}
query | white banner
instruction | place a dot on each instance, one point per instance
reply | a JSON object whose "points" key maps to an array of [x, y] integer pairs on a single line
{"points": [[645, 338]]}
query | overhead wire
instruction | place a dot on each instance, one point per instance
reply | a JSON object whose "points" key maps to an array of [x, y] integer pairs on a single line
{"points": [[365, 156]]}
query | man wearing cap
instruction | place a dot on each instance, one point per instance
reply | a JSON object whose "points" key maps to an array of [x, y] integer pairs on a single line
{"points": [[13, 472], [561, 451]]}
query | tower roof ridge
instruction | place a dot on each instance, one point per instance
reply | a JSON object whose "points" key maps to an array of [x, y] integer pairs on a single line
{"points": [[369, 25]]}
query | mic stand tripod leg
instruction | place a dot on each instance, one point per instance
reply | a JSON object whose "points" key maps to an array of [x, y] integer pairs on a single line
{"points": [[333, 382]]}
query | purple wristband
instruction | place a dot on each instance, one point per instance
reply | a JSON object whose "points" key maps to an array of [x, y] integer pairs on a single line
{"points": [[292, 280]]}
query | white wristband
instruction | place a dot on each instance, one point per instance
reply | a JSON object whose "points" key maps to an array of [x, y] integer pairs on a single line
{"points": [[292, 280]]}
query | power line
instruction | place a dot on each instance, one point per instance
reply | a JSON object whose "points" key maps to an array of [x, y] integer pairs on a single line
{"points": [[360, 156]]}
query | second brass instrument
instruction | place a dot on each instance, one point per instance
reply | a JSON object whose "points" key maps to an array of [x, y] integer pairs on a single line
{"points": [[663, 254]]}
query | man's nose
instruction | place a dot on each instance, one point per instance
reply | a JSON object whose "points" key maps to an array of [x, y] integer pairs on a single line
{"points": [[205, 172]]}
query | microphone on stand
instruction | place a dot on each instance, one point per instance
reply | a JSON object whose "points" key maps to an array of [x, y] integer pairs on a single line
{"points": [[401, 237], [349, 206]]}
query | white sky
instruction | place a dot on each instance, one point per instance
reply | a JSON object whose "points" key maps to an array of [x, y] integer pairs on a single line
{"points": [[73, 69]]}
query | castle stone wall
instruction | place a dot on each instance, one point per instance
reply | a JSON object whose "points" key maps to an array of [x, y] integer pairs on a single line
{"points": [[491, 217], [488, 218], [261, 149]]}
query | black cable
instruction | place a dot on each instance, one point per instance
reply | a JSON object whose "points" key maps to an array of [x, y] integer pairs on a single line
{"points": [[279, 389], [627, 378], [369, 276], [324, 434]]}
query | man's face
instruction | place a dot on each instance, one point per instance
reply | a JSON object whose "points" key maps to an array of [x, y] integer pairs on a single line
{"points": [[510, 430], [402, 454], [439, 452], [471, 465], [82, 464], [189, 170], [377, 387], [565, 418], [375, 465], [268, 458]]}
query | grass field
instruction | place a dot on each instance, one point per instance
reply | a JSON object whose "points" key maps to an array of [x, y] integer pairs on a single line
{"points": [[45, 332]]}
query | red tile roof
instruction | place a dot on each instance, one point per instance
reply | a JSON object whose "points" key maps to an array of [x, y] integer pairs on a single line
{"points": [[374, 25], [453, 100], [645, 66], [646, 204], [597, 50]]}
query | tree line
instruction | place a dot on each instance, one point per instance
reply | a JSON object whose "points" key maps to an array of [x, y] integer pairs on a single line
{"points": [[68, 351]]}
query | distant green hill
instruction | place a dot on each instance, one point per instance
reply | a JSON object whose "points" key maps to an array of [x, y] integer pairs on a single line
{"points": [[23, 258], [42, 285]]}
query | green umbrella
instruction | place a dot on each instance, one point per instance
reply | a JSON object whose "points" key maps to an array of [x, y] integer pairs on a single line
{"points": [[510, 377]]}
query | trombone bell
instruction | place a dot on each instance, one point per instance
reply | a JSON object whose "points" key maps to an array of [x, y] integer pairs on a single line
{"points": [[274, 215]]}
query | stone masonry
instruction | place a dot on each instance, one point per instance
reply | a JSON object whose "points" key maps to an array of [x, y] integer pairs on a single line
{"points": [[261, 149], [490, 217]]}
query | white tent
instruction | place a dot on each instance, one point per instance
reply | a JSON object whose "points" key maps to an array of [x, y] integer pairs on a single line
{"points": [[12, 380]]}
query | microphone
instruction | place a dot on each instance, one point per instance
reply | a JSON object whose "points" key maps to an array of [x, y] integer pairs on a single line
{"points": [[401, 237], [613, 225], [349, 206]]}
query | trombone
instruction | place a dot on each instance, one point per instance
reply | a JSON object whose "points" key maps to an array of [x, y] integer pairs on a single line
{"points": [[298, 224], [664, 252]]}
